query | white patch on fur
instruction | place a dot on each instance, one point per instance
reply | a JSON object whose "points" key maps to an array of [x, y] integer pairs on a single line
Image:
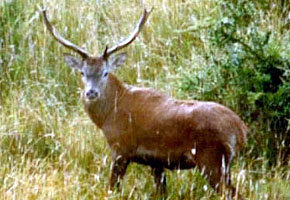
{"points": [[133, 88], [233, 141], [193, 151], [231, 145]]}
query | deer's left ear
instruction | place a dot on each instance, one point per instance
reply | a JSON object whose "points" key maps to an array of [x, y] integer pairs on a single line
{"points": [[117, 60]]}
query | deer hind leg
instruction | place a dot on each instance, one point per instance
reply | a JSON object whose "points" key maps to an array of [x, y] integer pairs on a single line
{"points": [[118, 171], [230, 192], [160, 180], [215, 164]]}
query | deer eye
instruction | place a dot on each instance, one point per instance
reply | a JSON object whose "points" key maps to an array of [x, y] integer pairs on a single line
{"points": [[105, 74], [82, 73]]}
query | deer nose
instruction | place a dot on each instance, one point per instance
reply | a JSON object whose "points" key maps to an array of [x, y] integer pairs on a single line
{"points": [[92, 94]]}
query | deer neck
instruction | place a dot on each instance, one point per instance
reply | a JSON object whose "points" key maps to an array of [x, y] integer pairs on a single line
{"points": [[100, 109]]}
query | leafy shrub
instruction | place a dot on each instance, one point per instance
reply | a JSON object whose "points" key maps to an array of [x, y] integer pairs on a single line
{"points": [[251, 55]]}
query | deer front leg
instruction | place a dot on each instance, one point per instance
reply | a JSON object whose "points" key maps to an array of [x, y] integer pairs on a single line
{"points": [[118, 171], [160, 180]]}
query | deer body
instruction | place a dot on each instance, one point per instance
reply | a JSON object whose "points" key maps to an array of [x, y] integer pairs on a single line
{"points": [[148, 127]]}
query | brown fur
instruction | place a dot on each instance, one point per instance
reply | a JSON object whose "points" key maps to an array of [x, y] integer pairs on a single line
{"points": [[145, 126]]}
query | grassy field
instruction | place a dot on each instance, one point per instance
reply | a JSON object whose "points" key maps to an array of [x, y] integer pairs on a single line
{"points": [[49, 148]]}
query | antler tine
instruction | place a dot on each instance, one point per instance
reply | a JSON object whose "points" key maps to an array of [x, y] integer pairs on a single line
{"points": [[131, 38], [62, 40]]}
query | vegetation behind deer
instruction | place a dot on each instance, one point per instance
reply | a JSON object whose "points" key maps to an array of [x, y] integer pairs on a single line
{"points": [[232, 52]]}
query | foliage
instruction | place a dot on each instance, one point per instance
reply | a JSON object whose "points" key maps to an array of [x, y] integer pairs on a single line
{"points": [[233, 52], [253, 63]]}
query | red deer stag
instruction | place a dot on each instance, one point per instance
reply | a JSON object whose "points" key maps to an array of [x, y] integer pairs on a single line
{"points": [[145, 126]]}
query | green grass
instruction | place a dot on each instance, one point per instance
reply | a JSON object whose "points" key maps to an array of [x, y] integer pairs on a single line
{"points": [[49, 148]]}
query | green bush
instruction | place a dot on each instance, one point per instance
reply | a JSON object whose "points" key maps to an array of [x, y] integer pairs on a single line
{"points": [[252, 62]]}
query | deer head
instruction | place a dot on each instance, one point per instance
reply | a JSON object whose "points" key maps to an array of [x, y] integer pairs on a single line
{"points": [[95, 69]]}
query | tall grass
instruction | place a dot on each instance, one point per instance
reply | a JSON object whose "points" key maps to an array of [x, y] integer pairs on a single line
{"points": [[49, 149]]}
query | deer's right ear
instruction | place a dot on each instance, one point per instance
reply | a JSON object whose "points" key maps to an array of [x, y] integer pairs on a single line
{"points": [[73, 62], [117, 60]]}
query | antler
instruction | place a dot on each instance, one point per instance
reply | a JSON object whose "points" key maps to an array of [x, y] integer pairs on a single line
{"points": [[131, 38], [62, 40]]}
